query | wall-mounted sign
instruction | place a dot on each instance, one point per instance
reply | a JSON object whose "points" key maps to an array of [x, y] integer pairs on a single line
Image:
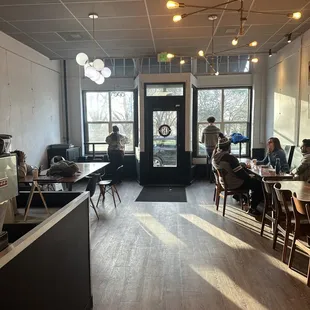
{"points": [[164, 130]]}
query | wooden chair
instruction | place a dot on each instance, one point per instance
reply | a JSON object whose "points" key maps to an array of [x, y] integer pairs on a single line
{"points": [[217, 190], [301, 212], [269, 210], [284, 218], [227, 191], [109, 186]]}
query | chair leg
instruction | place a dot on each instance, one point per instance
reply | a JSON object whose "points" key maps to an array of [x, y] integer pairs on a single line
{"points": [[290, 261], [98, 201], [102, 191], [275, 235], [93, 206], [116, 191], [241, 204], [224, 203], [286, 239], [112, 190], [308, 275], [263, 220], [214, 195]]}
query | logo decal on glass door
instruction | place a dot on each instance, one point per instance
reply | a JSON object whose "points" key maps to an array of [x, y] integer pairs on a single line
{"points": [[164, 130]]}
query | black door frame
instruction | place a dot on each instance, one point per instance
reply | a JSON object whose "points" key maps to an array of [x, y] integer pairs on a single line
{"points": [[164, 175]]}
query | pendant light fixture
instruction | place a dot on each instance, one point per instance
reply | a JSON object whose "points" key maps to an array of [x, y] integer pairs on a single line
{"points": [[95, 70]]}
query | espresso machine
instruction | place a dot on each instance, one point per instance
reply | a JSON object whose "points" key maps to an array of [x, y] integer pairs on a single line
{"points": [[8, 183]]}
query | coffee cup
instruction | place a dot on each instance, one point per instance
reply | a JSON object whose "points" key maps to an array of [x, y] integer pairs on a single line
{"points": [[35, 173]]}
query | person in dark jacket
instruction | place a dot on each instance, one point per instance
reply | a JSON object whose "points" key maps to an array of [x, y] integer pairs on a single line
{"points": [[275, 151], [236, 176]]}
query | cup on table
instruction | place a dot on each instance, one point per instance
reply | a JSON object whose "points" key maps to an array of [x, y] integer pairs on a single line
{"points": [[35, 173], [248, 164], [254, 161]]}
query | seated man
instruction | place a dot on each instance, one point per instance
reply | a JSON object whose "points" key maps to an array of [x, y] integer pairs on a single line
{"points": [[302, 173], [236, 177]]}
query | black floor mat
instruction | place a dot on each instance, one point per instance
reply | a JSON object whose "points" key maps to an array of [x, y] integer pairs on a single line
{"points": [[162, 194]]}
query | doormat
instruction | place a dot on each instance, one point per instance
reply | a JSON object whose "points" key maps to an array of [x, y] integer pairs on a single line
{"points": [[162, 194]]}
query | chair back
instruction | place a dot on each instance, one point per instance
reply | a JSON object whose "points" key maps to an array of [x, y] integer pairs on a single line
{"points": [[117, 176], [92, 184], [289, 150], [284, 197], [300, 206], [222, 176]]}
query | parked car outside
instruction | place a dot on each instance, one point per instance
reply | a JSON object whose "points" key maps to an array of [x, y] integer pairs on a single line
{"points": [[165, 151]]}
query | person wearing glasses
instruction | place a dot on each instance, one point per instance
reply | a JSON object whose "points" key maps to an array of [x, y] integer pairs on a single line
{"points": [[302, 172], [274, 151]]}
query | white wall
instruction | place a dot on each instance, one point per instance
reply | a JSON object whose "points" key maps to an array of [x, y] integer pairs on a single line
{"points": [[30, 99]]}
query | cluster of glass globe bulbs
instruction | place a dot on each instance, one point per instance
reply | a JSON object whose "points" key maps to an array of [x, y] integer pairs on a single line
{"points": [[96, 71]]}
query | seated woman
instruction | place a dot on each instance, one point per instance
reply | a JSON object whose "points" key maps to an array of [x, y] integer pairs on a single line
{"points": [[23, 168], [275, 151]]}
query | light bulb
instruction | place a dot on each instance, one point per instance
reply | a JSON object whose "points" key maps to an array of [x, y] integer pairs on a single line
{"points": [[81, 59], [106, 72], [170, 56], [216, 73], [235, 41], [201, 53], [182, 62], [253, 44], [90, 72], [172, 5], [289, 38], [254, 60], [98, 64], [177, 18], [95, 77], [295, 15], [100, 80]]}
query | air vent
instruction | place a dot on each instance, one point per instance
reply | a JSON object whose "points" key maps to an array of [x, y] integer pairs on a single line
{"points": [[75, 36], [231, 31]]}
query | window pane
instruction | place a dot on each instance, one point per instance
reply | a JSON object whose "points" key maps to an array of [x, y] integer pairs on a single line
{"points": [[237, 128], [236, 105], [233, 64], [244, 63], [122, 106], [164, 90], [97, 106], [100, 148], [97, 132], [127, 130], [209, 104]]}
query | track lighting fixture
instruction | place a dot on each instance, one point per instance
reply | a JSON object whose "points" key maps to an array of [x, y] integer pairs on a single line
{"points": [[270, 53]]}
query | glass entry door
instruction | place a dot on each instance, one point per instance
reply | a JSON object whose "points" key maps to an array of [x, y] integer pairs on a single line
{"points": [[165, 138], [165, 135]]}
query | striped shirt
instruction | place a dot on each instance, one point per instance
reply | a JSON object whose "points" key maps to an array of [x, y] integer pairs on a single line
{"points": [[210, 136]]}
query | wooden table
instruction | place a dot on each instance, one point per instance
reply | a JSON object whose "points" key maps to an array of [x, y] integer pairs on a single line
{"points": [[266, 173], [301, 188], [85, 169]]}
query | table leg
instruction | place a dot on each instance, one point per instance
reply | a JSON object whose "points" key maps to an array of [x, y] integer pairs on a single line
{"points": [[42, 197], [29, 201]]}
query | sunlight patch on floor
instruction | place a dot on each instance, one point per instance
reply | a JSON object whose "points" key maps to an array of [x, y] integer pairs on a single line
{"points": [[229, 288], [158, 230], [216, 232]]}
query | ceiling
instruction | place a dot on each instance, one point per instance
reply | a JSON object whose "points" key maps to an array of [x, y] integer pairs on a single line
{"points": [[60, 29]]}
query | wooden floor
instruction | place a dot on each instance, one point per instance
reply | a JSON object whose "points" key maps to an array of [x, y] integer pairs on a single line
{"points": [[187, 256]]}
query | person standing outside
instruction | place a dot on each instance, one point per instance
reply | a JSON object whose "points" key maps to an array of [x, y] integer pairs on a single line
{"points": [[210, 137], [116, 148]]}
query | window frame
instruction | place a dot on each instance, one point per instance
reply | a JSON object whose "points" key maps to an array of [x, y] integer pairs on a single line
{"points": [[222, 123], [110, 122]]}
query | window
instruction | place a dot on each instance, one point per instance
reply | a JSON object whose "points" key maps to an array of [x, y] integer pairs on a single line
{"points": [[231, 109], [103, 110], [164, 90]]}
